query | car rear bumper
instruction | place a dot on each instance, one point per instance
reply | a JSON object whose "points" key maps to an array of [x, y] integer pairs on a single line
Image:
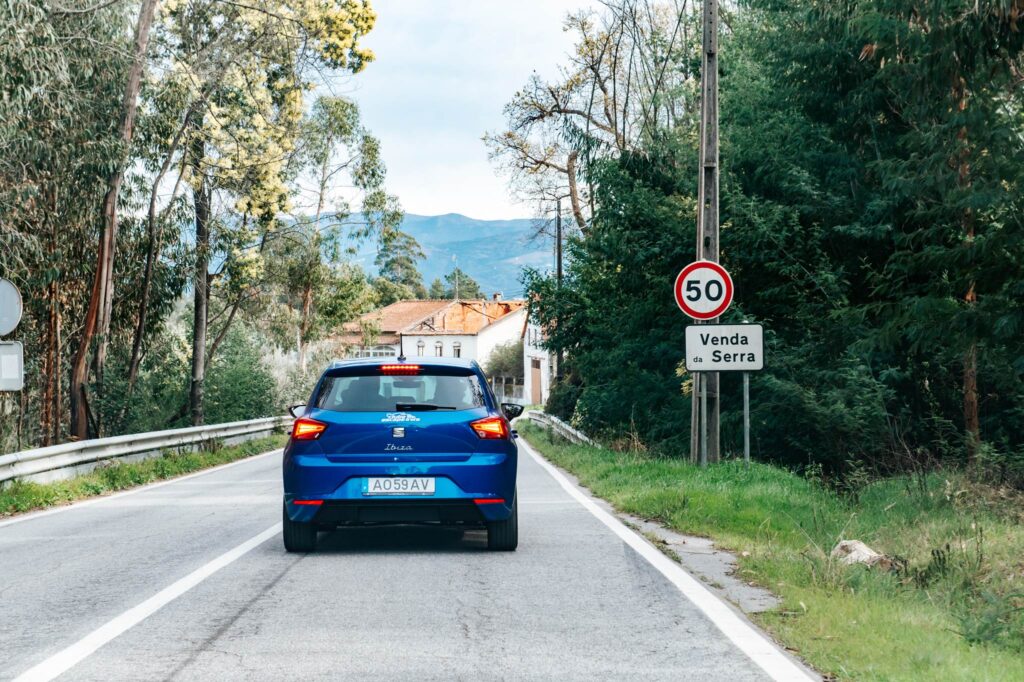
{"points": [[465, 491], [356, 512]]}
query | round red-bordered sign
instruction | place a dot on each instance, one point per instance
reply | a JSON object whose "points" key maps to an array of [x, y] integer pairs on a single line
{"points": [[703, 290]]}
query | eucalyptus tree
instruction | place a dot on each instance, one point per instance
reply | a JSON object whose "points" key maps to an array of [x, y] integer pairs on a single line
{"points": [[239, 74], [337, 184], [62, 75]]}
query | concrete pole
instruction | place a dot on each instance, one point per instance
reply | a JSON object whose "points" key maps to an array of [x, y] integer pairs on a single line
{"points": [[558, 275], [707, 223]]}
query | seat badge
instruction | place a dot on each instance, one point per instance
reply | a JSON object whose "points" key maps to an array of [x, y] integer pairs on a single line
{"points": [[398, 431]]}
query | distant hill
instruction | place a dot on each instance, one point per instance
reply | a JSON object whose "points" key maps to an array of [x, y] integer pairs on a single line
{"points": [[493, 252]]}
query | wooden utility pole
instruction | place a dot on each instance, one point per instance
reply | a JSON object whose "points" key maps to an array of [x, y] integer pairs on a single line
{"points": [[707, 224]]}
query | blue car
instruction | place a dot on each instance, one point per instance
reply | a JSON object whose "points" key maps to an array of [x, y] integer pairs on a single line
{"points": [[389, 441]]}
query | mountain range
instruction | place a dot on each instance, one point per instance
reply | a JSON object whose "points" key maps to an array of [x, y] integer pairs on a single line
{"points": [[492, 252]]}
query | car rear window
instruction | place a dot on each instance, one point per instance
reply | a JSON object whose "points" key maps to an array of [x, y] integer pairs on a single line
{"points": [[395, 393]]}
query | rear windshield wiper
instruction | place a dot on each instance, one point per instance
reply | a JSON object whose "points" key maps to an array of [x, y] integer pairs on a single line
{"points": [[420, 407]]}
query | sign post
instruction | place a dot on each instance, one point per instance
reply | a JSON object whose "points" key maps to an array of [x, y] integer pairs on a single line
{"points": [[12, 354], [746, 418], [703, 291], [728, 348]]}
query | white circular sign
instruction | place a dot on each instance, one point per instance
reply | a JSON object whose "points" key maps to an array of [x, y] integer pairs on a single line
{"points": [[10, 307], [703, 290]]}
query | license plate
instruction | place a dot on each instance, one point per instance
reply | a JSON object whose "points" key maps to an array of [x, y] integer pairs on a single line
{"points": [[399, 485]]}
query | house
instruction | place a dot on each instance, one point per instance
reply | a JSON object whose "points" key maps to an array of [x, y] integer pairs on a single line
{"points": [[538, 365], [436, 328]]}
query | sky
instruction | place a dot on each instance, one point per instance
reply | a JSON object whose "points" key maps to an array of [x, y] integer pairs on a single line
{"points": [[443, 72]]}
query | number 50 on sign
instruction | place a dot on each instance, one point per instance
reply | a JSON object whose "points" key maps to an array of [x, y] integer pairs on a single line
{"points": [[703, 290]]}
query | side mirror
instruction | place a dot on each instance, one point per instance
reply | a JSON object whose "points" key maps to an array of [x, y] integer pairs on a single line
{"points": [[511, 410], [297, 410]]}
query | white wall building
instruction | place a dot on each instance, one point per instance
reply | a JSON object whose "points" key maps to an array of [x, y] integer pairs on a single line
{"points": [[432, 328], [538, 366]]}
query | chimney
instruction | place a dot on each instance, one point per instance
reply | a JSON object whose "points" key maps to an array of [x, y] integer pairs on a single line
{"points": [[496, 296]]}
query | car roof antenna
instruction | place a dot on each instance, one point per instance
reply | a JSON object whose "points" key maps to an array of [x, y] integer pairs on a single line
{"points": [[402, 358]]}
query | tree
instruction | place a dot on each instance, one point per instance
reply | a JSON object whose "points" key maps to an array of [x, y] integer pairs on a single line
{"points": [[396, 263], [871, 165], [242, 70], [98, 314], [459, 285], [63, 82], [316, 291], [437, 290], [506, 361], [615, 92]]}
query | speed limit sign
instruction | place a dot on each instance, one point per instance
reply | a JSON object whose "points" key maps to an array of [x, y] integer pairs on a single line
{"points": [[703, 290]]}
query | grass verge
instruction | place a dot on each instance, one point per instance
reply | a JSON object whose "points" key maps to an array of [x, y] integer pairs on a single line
{"points": [[954, 610], [22, 496]]}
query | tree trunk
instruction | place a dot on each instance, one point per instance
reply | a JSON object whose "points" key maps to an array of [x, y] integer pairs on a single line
{"points": [[307, 308], [222, 334], [58, 400], [80, 364], [201, 283], [972, 423], [574, 192]]}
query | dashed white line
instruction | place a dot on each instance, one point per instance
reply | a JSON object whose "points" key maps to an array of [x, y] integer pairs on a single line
{"points": [[67, 658], [745, 636]]}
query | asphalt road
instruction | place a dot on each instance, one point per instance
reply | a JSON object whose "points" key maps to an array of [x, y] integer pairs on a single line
{"points": [[189, 580]]}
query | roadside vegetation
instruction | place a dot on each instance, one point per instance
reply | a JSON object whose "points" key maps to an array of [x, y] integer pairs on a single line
{"points": [[872, 166], [176, 195], [952, 608], [23, 496]]}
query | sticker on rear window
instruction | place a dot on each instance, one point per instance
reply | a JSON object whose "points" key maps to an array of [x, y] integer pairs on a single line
{"points": [[399, 417]]}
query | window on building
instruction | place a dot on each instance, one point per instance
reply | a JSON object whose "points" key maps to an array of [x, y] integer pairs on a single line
{"points": [[419, 347], [380, 351], [457, 349], [439, 349]]}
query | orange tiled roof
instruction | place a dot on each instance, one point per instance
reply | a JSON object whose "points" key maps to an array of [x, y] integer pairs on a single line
{"points": [[430, 317], [397, 316]]}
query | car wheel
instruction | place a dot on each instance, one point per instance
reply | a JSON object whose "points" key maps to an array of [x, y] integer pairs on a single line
{"points": [[503, 536], [298, 537]]}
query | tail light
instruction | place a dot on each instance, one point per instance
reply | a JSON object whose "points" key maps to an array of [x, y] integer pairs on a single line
{"points": [[491, 428], [307, 429], [400, 369]]}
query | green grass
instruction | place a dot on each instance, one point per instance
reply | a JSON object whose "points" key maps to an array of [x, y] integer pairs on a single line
{"points": [[953, 611], [21, 496]]}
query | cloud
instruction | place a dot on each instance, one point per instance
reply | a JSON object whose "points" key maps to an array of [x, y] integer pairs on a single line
{"points": [[444, 71]]}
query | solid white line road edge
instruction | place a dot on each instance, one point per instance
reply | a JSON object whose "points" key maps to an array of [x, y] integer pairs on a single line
{"points": [[72, 655], [28, 516], [745, 636]]}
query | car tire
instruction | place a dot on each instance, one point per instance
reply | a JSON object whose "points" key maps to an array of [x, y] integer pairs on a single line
{"points": [[298, 537], [503, 536]]}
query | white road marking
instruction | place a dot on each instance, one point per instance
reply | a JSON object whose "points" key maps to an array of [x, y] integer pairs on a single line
{"points": [[745, 636], [64, 660], [150, 486]]}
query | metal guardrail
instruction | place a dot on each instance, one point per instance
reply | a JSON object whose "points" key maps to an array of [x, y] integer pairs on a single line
{"points": [[559, 427], [73, 455]]}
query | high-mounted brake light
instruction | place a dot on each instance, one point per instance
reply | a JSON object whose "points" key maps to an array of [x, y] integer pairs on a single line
{"points": [[400, 369], [491, 428], [307, 429]]}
